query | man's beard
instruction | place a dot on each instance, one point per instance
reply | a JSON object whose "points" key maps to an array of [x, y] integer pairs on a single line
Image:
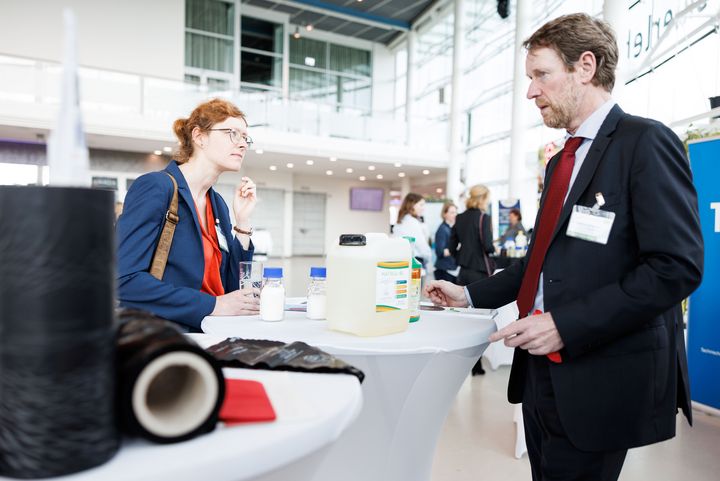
{"points": [[563, 111]]}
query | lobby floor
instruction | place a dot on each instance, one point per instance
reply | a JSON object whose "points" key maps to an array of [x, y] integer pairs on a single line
{"points": [[478, 442]]}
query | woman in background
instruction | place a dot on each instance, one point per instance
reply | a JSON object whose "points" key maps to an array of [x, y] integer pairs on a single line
{"points": [[468, 243], [410, 225], [201, 275], [445, 262]]}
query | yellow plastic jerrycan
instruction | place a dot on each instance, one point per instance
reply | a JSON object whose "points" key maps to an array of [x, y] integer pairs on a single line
{"points": [[367, 284]]}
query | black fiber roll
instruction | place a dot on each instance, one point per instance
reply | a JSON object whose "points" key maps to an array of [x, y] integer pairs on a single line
{"points": [[169, 389], [56, 330]]}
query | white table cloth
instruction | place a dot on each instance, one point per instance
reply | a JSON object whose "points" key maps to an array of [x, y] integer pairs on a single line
{"points": [[312, 411], [497, 353], [411, 380]]}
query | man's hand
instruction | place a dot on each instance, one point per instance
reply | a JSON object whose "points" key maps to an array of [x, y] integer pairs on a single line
{"points": [[445, 293], [536, 334]]}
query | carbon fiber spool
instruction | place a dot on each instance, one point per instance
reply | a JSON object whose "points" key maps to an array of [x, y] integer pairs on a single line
{"points": [[169, 388], [56, 330]]}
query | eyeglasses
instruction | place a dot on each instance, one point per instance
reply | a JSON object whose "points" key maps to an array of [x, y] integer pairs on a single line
{"points": [[235, 137]]}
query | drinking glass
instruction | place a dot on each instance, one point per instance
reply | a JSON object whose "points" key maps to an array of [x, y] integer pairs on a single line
{"points": [[251, 274]]}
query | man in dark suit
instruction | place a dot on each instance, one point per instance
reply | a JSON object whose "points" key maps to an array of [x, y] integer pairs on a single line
{"points": [[616, 247]]}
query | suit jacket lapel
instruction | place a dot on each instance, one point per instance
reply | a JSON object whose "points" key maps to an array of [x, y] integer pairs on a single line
{"points": [[590, 164]]}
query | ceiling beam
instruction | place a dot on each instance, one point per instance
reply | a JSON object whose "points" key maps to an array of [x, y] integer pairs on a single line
{"points": [[347, 14]]}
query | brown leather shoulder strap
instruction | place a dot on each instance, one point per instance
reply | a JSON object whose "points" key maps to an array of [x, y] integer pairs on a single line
{"points": [[157, 268]]}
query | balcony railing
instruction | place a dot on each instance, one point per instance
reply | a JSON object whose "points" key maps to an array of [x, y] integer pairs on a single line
{"points": [[29, 81]]}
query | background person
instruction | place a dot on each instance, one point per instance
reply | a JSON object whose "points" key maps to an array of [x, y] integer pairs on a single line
{"points": [[445, 262], [467, 244], [409, 223], [514, 228], [201, 276], [603, 367]]}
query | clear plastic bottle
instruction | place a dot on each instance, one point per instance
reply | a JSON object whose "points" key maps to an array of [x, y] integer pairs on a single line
{"points": [[510, 247], [521, 244], [316, 300], [272, 295], [415, 283]]}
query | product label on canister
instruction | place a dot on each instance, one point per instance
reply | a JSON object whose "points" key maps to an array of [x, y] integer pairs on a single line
{"points": [[415, 294], [391, 285]]}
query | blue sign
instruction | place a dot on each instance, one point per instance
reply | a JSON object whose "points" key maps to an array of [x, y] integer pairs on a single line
{"points": [[504, 208], [704, 323]]}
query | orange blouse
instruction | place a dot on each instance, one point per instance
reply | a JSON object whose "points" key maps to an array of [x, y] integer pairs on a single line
{"points": [[212, 283]]}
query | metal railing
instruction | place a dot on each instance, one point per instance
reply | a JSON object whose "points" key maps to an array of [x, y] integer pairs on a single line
{"points": [[156, 100]]}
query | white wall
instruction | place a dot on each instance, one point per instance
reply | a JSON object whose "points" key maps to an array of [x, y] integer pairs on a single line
{"points": [[339, 219], [135, 36]]}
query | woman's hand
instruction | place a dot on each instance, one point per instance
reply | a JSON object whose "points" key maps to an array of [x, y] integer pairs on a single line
{"points": [[244, 302], [244, 202]]}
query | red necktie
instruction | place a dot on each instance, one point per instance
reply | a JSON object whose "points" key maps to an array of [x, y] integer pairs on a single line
{"points": [[549, 215]]}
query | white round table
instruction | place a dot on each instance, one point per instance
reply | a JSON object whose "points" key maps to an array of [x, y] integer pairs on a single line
{"points": [[411, 380], [312, 411]]}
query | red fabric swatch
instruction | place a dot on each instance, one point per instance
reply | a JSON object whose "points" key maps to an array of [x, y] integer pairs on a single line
{"points": [[245, 401]]}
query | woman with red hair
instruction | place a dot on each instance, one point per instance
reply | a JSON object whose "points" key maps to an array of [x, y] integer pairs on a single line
{"points": [[201, 275]]}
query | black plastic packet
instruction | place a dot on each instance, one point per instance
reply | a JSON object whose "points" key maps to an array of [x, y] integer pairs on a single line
{"points": [[56, 330], [278, 356], [169, 388]]}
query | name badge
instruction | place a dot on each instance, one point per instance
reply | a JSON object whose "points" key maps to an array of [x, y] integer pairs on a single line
{"points": [[222, 241], [592, 225]]}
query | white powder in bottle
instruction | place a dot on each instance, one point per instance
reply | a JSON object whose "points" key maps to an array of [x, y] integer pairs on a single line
{"points": [[272, 303], [316, 306]]}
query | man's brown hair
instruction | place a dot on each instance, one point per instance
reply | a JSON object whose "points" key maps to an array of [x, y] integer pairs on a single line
{"points": [[571, 35]]}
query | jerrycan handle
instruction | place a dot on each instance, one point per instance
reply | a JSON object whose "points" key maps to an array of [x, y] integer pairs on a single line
{"points": [[352, 240]]}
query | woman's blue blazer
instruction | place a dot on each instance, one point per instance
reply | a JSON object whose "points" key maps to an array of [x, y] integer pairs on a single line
{"points": [[177, 296]]}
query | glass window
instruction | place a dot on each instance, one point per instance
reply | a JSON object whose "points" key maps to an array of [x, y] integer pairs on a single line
{"points": [[349, 92], [261, 69], [349, 60], [261, 35], [306, 84], [208, 53], [337, 75], [192, 79], [303, 48], [213, 16], [217, 84]]}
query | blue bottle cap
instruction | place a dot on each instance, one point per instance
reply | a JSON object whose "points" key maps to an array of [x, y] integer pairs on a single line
{"points": [[318, 272], [273, 273]]}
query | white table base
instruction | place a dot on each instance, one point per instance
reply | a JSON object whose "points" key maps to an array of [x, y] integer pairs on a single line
{"points": [[498, 354], [407, 398]]}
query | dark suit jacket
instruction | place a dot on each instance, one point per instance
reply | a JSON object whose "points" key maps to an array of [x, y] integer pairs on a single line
{"points": [[177, 297], [442, 242], [465, 243], [617, 306]]}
